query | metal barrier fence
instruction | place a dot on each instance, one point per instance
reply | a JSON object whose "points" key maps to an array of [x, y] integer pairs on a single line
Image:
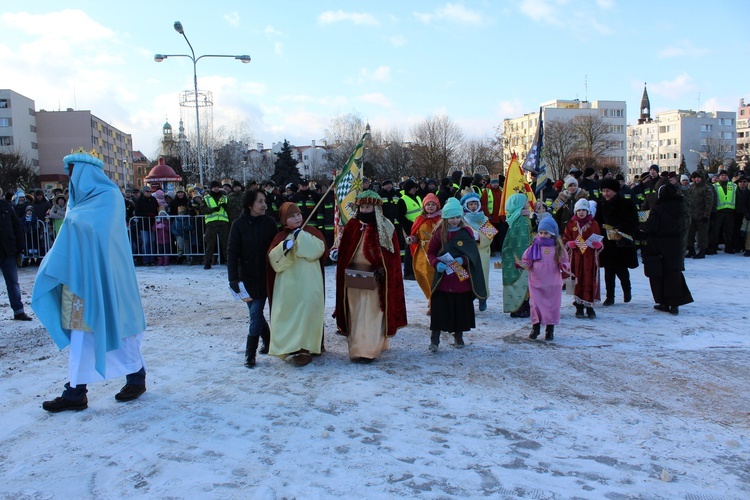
{"points": [[180, 236], [37, 240]]}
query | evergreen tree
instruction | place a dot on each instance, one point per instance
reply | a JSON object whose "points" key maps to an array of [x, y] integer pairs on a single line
{"points": [[683, 166], [286, 170]]}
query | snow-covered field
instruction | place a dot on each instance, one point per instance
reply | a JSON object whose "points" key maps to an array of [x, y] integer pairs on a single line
{"points": [[634, 404]]}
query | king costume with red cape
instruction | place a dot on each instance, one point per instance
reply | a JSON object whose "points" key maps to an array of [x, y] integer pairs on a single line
{"points": [[386, 263]]}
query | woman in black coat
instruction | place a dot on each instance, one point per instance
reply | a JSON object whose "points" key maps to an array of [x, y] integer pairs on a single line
{"points": [[663, 255], [249, 240], [618, 255]]}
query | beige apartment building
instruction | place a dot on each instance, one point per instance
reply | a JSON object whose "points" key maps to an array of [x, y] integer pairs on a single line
{"points": [[60, 132], [518, 133], [743, 135]]}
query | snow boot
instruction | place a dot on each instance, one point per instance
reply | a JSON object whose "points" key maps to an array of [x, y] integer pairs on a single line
{"points": [[590, 312], [434, 341], [608, 301], [482, 304], [549, 334], [579, 311], [674, 310], [250, 348], [265, 337], [535, 330], [458, 340]]}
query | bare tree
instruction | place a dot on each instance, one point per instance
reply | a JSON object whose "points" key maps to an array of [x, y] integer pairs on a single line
{"points": [[389, 157], [716, 151], [343, 134], [559, 146], [16, 171], [230, 146], [436, 145], [476, 152], [593, 136]]}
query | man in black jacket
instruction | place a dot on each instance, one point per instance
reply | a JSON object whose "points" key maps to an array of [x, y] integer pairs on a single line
{"points": [[11, 237], [146, 208]]}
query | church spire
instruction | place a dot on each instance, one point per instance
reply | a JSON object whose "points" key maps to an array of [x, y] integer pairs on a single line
{"points": [[645, 107]]}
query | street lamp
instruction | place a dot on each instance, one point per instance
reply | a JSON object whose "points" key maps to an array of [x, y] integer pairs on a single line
{"points": [[160, 57]]}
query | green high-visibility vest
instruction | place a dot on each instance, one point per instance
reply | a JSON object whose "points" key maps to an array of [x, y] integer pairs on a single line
{"points": [[221, 214], [726, 199]]}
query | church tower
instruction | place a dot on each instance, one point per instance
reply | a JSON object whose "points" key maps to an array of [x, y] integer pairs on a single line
{"points": [[645, 108]]}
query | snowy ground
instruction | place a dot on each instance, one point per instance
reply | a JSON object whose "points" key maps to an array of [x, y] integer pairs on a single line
{"points": [[634, 404]]}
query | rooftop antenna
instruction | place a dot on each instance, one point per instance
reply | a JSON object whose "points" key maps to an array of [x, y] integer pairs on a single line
{"points": [[586, 88]]}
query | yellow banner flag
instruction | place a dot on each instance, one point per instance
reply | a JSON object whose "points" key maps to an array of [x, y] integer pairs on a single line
{"points": [[515, 182]]}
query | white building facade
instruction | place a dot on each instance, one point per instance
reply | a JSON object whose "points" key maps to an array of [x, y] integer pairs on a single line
{"points": [[518, 133], [743, 135], [695, 135], [18, 126]]}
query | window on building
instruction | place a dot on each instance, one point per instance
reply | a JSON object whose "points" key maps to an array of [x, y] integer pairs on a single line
{"points": [[6, 140], [726, 135], [707, 128], [6, 122], [32, 112], [32, 128], [4, 103], [34, 145]]}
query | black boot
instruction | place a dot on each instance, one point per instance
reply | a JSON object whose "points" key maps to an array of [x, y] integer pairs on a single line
{"points": [[579, 310], [265, 337], [700, 255], [535, 330], [608, 301], [458, 339], [549, 334], [434, 341], [690, 253], [675, 310], [626, 295], [251, 347]]}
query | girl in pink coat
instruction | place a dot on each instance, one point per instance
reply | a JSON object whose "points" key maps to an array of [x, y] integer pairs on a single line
{"points": [[545, 260]]}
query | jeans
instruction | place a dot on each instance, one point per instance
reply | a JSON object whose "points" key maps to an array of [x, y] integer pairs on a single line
{"points": [[10, 273], [147, 247], [257, 320]]}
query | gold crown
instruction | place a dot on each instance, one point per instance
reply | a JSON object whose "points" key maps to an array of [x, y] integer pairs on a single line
{"points": [[92, 152]]}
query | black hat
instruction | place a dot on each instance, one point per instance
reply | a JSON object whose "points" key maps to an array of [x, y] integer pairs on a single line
{"points": [[589, 172], [742, 178], [695, 174], [215, 184], [609, 183], [645, 176], [409, 185], [619, 177], [654, 167], [605, 171], [456, 176], [387, 181], [445, 182], [269, 182], [723, 172], [236, 184]]}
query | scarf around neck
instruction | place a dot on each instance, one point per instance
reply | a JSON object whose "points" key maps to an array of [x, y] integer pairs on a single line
{"points": [[535, 252]]}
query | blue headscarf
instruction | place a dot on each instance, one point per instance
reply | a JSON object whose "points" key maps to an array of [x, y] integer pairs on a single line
{"points": [[93, 257]]}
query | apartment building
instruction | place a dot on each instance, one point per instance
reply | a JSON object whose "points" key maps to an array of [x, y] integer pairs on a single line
{"points": [[62, 131], [707, 136], [18, 133], [743, 135], [518, 133]]}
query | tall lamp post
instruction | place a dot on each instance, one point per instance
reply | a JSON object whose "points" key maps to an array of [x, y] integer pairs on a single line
{"points": [[160, 57]]}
